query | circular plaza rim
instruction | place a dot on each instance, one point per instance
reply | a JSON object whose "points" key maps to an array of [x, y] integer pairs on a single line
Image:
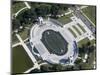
{"points": [[36, 34]]}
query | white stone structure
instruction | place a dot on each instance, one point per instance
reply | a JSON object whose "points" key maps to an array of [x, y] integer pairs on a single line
{"points": [[35, 40]]}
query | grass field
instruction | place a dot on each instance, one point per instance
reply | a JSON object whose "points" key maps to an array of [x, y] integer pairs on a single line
{"points": [[89, 65], [77, 30], [20, 60], [54, 42], [84, 41], [90, 12], [81, 27], [16, 6], [92, 55], [72, 32], [14, 39], [65, 19], [92, 58], [24, 34]]}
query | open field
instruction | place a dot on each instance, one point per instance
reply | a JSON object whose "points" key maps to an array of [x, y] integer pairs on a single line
{"points": [[91, 55], [73, 33], [14, 39], [65, 19], [20, 60], [84, 41], [24, 34], [16, 6], [90, 61], [90, 12], [52, 40], [77, 30], [81, 28]]}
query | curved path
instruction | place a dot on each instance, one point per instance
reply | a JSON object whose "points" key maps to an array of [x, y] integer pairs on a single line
{"points": [[24, 8], [16, 14]]}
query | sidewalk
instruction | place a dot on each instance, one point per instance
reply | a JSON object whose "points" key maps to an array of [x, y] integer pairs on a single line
{"points": [[28, 51]]}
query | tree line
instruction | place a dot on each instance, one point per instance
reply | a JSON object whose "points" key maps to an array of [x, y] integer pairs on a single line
{"points": [[38, 9]]}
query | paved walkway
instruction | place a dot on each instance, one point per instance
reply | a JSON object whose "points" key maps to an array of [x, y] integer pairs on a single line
{"points": [[27, 5], [82, 7], [28, 51], [16, 44], [79, 29], [70, 11], [83, 18], [20, 11], [78, 20], [87, 17], [83, 35], [34, 67]]}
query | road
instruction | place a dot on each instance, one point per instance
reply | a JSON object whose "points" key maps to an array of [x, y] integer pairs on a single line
{"points": [[79, 14]]}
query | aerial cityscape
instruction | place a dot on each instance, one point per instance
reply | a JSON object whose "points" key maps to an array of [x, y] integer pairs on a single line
{"points": [[51, 37]]}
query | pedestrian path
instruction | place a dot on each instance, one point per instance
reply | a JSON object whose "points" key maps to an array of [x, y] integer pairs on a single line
{"points": [[27, 5], [24, 8], [16, 44], [28, 51], [74, 23], [29, 70], [87, 17], [20, 11]]}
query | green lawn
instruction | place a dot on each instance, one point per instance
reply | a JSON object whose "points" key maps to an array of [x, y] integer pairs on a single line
{"points": [[24, 34], [20, 60], [91, 59], [93, 41], [65, 19], [17, 6], [92, 55], [81, 27], [73, 33], [14, 39], [84, 41], [90, 12], [77, 30]]}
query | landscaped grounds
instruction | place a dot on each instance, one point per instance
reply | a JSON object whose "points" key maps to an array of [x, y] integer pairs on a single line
{"points": [[20, 60]]}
